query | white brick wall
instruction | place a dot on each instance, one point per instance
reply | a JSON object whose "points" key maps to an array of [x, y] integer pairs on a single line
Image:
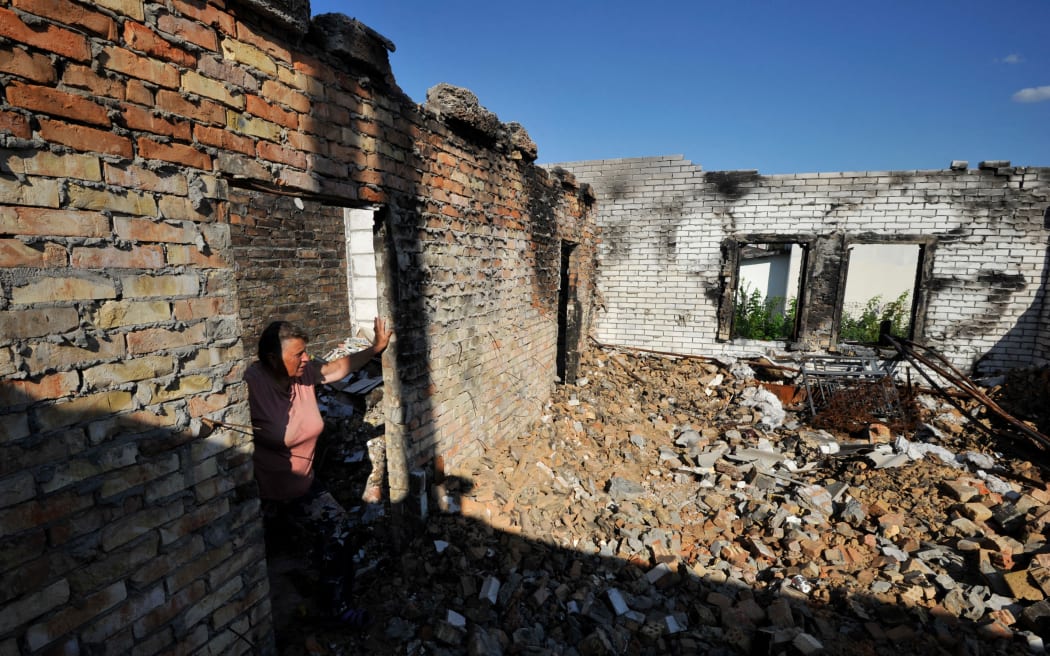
{"points": [[663, 221], [361, 268]]}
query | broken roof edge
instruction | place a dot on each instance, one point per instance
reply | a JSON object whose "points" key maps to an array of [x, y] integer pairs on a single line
{"points": [[998, 167], [459, 107], [342, 23], [337, 34], [352, 41]]}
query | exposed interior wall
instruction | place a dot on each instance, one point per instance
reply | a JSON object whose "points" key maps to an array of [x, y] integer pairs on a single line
{"points": [[672, 233], [362, 278], [172, 175]]}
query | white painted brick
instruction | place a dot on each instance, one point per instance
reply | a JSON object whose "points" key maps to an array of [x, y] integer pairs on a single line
{"points": [[801, 204]]}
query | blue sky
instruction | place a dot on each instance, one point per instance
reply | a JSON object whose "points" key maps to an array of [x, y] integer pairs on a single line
{"points": [[779, 86]]}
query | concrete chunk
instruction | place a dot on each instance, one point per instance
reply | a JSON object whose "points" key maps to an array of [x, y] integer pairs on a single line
{"points": [[807, 644], [616, 600], [490, 589]]}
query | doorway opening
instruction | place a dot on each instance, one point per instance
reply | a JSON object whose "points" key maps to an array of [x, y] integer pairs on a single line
{"points": [[569, 310]]}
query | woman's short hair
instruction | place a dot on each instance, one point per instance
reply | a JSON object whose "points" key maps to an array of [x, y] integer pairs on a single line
{"points": [[274, 334]]}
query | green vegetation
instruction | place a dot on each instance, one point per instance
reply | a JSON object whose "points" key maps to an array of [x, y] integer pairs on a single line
{"points": [[755, 317], [865, 328]]}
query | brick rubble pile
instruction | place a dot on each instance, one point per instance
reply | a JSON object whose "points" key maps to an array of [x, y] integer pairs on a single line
{"points": [[671, 505]]}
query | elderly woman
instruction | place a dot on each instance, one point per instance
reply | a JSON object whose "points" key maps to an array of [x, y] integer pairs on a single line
{"points": [[286, 423]]}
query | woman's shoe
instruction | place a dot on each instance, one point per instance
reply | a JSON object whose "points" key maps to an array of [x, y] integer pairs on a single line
{"points": [[353, 618]]}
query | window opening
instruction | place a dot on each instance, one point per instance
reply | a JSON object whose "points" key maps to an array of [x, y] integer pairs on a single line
{"points": [[361, 279], [880, 286], [766, 297]]}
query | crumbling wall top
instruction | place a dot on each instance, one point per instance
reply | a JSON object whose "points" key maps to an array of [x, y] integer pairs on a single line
{"points": [[335, 33], [293, 15], [460, 108], [350, 39]]}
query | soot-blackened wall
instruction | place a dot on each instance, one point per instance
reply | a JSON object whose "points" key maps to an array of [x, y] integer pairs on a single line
{"points": [[671, 235]]}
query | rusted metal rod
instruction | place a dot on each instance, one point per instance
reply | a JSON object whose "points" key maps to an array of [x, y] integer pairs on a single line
{"points": [[214, 423], [949, 373], [979, 395]]}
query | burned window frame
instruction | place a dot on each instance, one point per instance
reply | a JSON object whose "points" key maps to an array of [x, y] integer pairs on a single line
{"points": [[920, 293], [730, 280], [817, 303]]}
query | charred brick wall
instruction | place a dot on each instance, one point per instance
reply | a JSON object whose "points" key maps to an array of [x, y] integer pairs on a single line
{"points": [[291, 265], [666, 225], [172, 175], [473, 276]]}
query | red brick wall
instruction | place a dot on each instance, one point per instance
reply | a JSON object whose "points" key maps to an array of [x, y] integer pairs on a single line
{"points": [[150, 157]]}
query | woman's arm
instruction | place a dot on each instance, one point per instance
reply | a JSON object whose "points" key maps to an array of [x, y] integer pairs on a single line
{"points": [[342, 367]]}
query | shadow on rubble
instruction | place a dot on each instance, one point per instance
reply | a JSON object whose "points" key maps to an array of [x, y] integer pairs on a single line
{"points": [[1025, 386], [468, 583]]}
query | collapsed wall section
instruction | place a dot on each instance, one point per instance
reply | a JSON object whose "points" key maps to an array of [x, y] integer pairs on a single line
{"points": [[172, 176], [672, 236]]}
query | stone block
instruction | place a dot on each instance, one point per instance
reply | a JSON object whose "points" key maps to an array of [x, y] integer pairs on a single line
{"points": [[1020, 586], [118, 314], [978, 512], [807, 644], [130, 8], [195, 83], [82, 409], [249, 55], [56, 102], [7, 365], [780, 613], [98, 257], [125, 202], [84, 138], [617, 601], [13, 426], [175, 153], [45, 356], [52, 222], [15, 253], [160, 286], [31, 322], [61, 623], [18, 393], [63, 289], [54, 165], [33, 67], [136, 524]]}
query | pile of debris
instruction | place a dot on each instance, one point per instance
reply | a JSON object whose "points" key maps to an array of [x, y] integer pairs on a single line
{"points": [[675, 505], [1027, 393]]}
